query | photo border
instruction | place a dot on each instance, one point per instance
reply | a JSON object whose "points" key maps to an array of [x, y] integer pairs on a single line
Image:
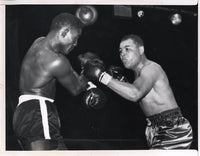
{"points": [[3, 152]]}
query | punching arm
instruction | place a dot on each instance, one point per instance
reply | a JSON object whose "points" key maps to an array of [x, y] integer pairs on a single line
{"points": [[134, 92]]}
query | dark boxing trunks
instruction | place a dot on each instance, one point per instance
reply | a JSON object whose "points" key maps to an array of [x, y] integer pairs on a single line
{"points": [[36, 118], [168, 130]]}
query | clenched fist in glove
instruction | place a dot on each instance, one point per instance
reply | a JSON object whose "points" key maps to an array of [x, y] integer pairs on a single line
{"points": [[93, 97], [117, 73], [95, 71], [93, 68]]}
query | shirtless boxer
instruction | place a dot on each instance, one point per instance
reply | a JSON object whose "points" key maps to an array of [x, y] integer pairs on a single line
{"points": [[36, 121], [166, 127]]}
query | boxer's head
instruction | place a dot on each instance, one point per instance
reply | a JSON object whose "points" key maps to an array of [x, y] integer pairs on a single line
{"points": [[131, 50], [67, 28]]}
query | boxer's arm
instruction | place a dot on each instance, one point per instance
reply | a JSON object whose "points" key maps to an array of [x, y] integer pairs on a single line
{"points": [[62, 70], [134, 92]]}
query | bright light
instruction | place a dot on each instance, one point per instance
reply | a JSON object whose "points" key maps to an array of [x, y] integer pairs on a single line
{"points": [[176, 19], [140, 13]]}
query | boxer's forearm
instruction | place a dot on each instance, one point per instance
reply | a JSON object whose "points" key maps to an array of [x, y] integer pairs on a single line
{"points": [[80, 83], [126, 90]]}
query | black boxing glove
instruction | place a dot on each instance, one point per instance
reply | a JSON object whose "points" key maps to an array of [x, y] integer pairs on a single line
{"points": [[93, 68], [117, 73], [95, 71], [93, 97]]}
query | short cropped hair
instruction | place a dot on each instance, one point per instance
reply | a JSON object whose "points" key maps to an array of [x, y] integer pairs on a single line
{"points": [[136, 39], [65, 19]]}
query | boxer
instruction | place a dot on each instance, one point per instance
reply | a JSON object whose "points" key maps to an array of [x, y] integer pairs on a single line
{"points": [[36, 121], [166, 126]]}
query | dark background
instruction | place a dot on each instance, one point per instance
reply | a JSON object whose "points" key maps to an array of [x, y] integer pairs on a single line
{"points": [[120, 124]]}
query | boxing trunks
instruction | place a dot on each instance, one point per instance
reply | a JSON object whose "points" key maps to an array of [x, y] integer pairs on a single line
{"points": [[168, 130], [36, 118]]}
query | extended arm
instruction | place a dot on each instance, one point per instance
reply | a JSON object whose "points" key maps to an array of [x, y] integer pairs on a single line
{"points": [[133, 92], [141, 86]]}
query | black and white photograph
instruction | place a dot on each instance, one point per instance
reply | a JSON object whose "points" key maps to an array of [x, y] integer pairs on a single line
{"points": [[101, 77]]}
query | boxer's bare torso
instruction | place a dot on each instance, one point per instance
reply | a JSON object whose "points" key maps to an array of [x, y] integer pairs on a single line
{"points": [[160, 97], [150, 88], [41, 68]]}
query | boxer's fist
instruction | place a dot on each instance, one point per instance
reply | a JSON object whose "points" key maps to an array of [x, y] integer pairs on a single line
{"points": [[93, 70], [117, 73], [94, 98]]}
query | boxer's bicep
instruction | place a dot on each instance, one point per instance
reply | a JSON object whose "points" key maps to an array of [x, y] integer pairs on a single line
{"points": [[136, 91]]}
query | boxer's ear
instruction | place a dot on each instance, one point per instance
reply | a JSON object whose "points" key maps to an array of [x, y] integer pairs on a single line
{"points": [[141, 49], [63, 31]]}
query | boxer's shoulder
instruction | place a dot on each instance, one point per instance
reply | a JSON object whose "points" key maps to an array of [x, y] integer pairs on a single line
{"points": [[152, 68], [58, 64]]}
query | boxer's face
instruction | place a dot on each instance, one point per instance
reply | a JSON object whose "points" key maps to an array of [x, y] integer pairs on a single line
{"points": [[129, 53], [70, 40]]}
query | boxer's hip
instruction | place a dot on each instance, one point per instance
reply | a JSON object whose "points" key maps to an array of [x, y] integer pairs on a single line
{"points": [[36, 118], [168, 117], [169, 130], [28, 97]]}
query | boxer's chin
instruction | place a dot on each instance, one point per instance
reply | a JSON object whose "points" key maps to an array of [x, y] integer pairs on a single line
{"points": [[126, 65]]}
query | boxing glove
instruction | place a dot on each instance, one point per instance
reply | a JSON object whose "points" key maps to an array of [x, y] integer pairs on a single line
{"points": [[95, 71], [117, 73], [94, 98]]}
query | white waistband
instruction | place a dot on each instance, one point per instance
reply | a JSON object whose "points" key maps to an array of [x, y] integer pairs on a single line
{"points": [[24, 98]]}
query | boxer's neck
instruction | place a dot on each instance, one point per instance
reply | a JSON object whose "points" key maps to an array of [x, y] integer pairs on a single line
{"points": [[141, 64]]}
